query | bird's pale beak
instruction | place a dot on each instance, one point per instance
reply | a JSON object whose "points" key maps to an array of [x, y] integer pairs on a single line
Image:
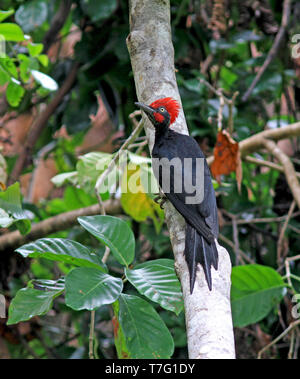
{"points": [[148, 110]]}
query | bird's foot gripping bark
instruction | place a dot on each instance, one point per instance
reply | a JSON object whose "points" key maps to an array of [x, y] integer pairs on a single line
{"points": [[160, 199]]}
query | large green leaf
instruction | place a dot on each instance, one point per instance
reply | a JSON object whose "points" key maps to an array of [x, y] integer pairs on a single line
{"points": [[120, 341], [63, 250], [114, 233], [254, 292], [30, 302], [6, 14], [14, 93], [89, 288], [145, 333], [11, 32], [157, 281]]}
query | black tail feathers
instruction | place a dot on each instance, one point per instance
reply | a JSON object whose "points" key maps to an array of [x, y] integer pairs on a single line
{"points": [[198, 250]]}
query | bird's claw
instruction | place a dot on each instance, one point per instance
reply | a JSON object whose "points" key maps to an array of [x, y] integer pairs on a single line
{"points": [[160, 199]]}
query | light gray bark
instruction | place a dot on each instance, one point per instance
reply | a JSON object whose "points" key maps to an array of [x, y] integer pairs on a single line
{"points": [[208, 314]]}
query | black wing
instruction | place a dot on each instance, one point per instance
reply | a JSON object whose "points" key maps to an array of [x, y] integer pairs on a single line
{"points": [[203, 215]]}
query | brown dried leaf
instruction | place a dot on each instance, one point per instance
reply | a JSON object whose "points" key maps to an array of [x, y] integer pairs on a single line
{"points": [[226, 158]]}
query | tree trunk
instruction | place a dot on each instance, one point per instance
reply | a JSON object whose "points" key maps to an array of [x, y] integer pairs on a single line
{"points": [[208, 314]]}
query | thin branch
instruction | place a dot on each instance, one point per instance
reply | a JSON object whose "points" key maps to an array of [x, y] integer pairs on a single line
{"points": [[274, 49], [223, 100], [220, 112], [264, 220], [283, 334], [235, 232], [282, 232], [91, 335], [230, 112], [57, 23], [292, 345], [205, 64], [235, 237], [287, 268], [217, 92], [288, 167], [231, 244], [63, 221], [261, 162], [28, 347]]}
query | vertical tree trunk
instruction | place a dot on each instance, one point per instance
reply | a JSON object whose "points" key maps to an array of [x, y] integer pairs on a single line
{"points": [[208, 314]]}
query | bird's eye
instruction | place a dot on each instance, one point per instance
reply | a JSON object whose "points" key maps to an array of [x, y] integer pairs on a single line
{"points": [[162, 109]]}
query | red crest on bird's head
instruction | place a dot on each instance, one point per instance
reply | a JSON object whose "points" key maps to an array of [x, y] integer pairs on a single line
{"points": [[171, 106]]}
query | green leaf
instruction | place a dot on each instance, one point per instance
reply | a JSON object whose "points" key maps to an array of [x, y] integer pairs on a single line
{"points": [[90, 166], [246, 36], [98, 10], [14, 93], [194, 85], [228, 78], [145, 333], [35, 49], [5, 219], [269, 82], [65, 177], [44, 60], [44, 80], [30, 302], [120, 341], [254, 292], [9, 67], [157, 281], [139, 160], [4, 77], [10, 202], [47, 284], [24, 67], [62, 250], [114, 233], [89, 288], [6, 14], [11, 32], [23, 225], [220, 44], [31, 15]]}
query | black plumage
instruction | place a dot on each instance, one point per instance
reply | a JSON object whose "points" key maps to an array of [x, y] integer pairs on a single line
{"points": [[201, 218]]}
